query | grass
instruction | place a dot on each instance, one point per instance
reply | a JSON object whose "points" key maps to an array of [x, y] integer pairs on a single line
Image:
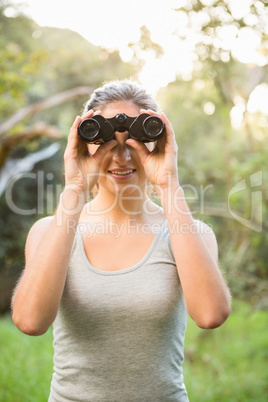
{"points": [[25, 364], [228, 364]]}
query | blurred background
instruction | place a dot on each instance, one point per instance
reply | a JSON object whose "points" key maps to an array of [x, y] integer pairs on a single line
{"points": [[206, 62]]}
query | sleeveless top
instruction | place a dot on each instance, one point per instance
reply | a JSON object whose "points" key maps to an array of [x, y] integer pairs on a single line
{"points": [[119, 335]]}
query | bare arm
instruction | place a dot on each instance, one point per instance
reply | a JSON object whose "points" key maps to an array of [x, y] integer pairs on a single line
{"points": [[206, 294], [195, 249], [36, 299], [37, 296]]}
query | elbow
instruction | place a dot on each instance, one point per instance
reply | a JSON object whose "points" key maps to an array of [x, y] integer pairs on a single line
{"points": [[28, 326], [214, 319]]}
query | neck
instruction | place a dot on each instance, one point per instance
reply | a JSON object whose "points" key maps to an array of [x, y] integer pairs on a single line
{"points": [[134, 205]]}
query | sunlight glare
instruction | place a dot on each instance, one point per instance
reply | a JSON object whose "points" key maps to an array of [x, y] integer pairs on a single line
{"points": [[240, 8], [246, 47], [115, 24], [258, 99]]}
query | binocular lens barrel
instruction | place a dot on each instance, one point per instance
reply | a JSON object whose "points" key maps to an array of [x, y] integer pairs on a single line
{"points": [[98, 129], [153, 126], [91, 129]]}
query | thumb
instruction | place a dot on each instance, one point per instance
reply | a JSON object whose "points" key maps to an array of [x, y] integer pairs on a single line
{"points": [[103, 150]]}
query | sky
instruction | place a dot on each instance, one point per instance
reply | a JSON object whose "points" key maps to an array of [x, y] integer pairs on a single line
{"points": [[116, 23]]}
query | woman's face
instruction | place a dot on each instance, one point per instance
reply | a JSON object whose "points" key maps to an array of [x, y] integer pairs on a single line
{"points": [[121, 168]]}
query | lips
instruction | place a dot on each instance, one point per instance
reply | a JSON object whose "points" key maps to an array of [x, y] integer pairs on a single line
{"points": [[122, 173]]}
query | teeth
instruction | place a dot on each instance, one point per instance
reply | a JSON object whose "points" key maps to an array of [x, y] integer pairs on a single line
{"points": [[122, 173]]}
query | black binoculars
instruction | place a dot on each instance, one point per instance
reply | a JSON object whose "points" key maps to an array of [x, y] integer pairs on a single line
{"points": [[98, 129]]}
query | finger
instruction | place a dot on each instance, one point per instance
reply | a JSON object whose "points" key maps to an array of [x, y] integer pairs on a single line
{"points": [[88, 114], [82, 150], [103, 150], [76, 122], [169, 136], [141, 148], [149, 111], [73, 135], [97, 112]]}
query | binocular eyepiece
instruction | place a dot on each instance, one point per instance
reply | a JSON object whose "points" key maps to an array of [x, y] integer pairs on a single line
{"points": [[98, 129]]}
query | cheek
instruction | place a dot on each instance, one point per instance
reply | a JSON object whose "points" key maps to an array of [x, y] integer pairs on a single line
{"points": [[105, 163]]}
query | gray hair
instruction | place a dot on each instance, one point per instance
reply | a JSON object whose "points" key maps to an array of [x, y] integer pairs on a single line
{"points": [[116, 91]]}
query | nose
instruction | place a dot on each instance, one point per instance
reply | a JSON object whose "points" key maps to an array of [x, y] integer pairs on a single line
{"points": [[121, 152]]}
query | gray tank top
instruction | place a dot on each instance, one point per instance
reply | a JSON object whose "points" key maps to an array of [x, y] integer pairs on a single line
{"points": [[119, 336]]}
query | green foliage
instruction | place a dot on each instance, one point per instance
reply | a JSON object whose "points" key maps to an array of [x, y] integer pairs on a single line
{"points": [[19, 62], [211, 18]]}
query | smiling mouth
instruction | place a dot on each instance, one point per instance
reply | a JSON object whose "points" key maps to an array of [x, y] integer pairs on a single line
{"points": [[122, 172]]}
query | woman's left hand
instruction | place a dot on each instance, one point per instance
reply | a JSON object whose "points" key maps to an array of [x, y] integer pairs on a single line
{"points": [[160, 165]]}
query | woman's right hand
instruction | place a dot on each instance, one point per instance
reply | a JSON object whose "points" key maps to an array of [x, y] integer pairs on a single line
{"points": [[81, 167]]}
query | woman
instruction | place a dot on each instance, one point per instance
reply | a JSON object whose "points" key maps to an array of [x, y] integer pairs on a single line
{"points": [[117, 275]]}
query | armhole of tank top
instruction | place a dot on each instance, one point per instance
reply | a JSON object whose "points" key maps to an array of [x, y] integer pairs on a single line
{"points": [[200, 225], [74, 243], [168, 240]]}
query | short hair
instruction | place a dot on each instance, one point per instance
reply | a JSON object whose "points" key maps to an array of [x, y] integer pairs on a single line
{"points": [[121, 90]]}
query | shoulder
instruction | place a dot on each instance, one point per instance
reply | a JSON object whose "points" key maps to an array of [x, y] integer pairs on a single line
{"points": [[36, 233], [201, 229], [41, 225], [208, 236]]}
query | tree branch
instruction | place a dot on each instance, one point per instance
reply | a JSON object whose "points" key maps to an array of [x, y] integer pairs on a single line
{"points": [[54, 100], [30, 133]]}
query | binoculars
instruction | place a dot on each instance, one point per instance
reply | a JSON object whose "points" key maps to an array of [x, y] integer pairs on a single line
{"points": [[98, 129]]}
